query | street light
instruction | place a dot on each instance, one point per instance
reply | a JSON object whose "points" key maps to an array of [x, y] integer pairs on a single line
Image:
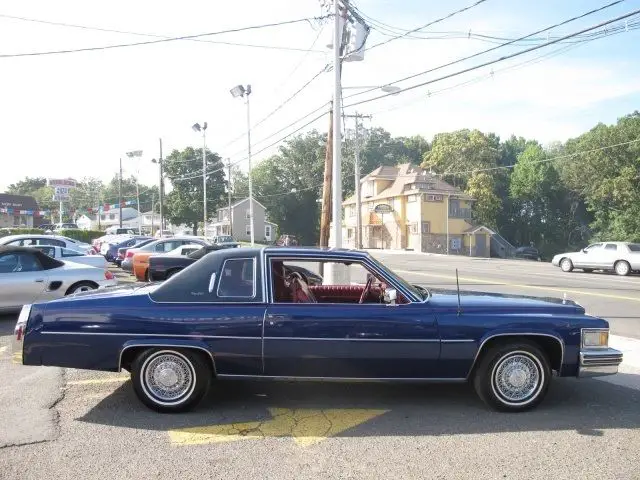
{"points": [[136, 154], [197, 128], [161, 188], [244, 92], [392, 89]]}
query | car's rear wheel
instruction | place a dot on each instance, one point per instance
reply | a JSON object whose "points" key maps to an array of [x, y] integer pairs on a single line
{"points": [[622, 268], [81, 287], [170, 379], [513, 377], [566, 265]]}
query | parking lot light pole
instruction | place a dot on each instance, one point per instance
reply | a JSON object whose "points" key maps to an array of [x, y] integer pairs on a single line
{"points": [[136, 154], [244, 92], [197, 128]]}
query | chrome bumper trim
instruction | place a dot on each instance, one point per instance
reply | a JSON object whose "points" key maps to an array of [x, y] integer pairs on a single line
{"points": [[597, 363]]}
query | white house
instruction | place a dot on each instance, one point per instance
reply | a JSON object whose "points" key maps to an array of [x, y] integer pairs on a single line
{"points": [[240, 225]]}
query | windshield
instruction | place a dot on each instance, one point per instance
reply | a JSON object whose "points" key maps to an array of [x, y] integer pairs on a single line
{"points": [[419, 292]]}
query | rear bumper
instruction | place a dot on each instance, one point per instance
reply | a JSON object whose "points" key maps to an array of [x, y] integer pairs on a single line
{"points": [[597, 363]]}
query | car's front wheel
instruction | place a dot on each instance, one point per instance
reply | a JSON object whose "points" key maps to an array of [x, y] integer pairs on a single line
{"points": [[170, 379], [513, 377], [566, 265]]}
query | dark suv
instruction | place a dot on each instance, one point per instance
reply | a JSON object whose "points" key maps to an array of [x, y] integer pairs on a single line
{"points": [[528, 253]]}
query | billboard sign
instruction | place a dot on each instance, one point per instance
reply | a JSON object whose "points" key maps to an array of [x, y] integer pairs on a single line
{"points": [[61, 182], [61, 193]]}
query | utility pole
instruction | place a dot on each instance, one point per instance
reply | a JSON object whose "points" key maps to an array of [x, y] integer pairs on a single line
{"points": [[161, 189], [153, 209], [358, 117], [325, 216], [229, 190], [204, 179], [120, 192], [337, 139]]}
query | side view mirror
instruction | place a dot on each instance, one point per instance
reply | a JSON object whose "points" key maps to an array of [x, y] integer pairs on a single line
{"points": [[584, 250], [390, 296]]}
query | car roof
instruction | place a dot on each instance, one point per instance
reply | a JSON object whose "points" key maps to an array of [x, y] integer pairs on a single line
{"points": [[321, 251], [32, 235]]}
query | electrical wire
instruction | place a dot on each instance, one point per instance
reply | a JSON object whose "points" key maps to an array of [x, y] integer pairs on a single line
{"points": [[491, 62], [162, 40], [151, 35], [441, 19], [468, 57]]}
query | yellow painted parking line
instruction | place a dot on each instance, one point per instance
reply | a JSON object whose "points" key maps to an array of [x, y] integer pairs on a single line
{"points": [[17, 358], [4, 349], [305, 426], [97, 381], [517, 285]]}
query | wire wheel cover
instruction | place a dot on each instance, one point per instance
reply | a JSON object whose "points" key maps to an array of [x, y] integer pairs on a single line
{"points": [[168, 377], [517, 377]]}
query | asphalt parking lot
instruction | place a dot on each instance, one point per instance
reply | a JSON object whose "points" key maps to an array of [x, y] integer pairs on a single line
{"points": [[77, 424]]}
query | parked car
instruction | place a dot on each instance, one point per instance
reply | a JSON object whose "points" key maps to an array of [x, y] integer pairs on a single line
{"points": [[528, 253], [111, 253], [114, 230], [67, 255], [125, 259], [165, 266], [225, 241], [163, 245], [32, 240], [164, 234], [28, 275], [47, 226], [235, 315], [620, 257], [65, 226], [287, 241]]}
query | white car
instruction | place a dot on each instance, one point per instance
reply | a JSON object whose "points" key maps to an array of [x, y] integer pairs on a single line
{"points": [[33, 240], [68, 255], [28, 275], [163, 234], [620, 257], [183, 250]]}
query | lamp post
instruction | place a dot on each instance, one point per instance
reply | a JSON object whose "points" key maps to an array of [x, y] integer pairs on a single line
{"points": [[160, 188], [136, 154], [244, 92], [197, 128]]}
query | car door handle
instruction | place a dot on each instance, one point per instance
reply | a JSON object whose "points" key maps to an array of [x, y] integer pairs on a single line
{"points": [[39, 280], [274, 319]]}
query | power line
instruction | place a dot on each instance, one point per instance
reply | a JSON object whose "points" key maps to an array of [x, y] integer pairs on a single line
{"points": [[440, 67], [441, 19], [491, 75], [491, 62], [151, 35], [163, 40]]}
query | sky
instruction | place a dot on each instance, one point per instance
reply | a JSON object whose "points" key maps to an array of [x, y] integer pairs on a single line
{"points": [[76, 114]]}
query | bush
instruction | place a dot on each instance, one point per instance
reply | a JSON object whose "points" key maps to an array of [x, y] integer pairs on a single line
{"points": [[5, 232], [86, 236]]}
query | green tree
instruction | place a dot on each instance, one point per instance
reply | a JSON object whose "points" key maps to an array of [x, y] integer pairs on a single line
{"points": [[184, 170]]}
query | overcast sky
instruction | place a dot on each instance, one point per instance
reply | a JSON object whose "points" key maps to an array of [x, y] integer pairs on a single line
{"points": [[76, 114]]}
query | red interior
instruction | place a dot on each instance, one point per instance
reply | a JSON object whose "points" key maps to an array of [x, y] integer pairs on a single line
{"points": [[344, 293]]}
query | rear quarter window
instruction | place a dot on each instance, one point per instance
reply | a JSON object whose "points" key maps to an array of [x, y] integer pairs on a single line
{"points": [[634, 247]]}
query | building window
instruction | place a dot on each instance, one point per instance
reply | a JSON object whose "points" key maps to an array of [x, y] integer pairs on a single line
{"points": [[351, 209], [267, 231], [247, 229], [370, 206], [433, 198], [426, 227], [349, 233], [112, 216], [103, 217], [411, 198], [413, 228]]}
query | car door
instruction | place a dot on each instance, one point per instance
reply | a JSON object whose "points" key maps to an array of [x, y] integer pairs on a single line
{"points": [[608, 255], [350, 340], [588, 257], [22, 279]]}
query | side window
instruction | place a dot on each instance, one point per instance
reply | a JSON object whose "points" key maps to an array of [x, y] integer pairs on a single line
{"points": [[51, 241], [70, 253], [19, 262], [48, 250], [237, 278], [610, 247], [593, 247], [8, 262]]}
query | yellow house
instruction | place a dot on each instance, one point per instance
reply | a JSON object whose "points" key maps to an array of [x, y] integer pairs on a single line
{"points": [[406, 207]]}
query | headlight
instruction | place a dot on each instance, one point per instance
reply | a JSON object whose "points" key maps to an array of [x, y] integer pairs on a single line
{"points": [[595, 338]]}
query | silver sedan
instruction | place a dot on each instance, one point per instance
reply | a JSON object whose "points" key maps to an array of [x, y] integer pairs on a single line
{"points": [[620, 257], [27, 275]]}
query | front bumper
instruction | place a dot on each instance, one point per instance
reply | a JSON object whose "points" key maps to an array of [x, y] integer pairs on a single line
{"points": [[597, 363], [555, 261]]}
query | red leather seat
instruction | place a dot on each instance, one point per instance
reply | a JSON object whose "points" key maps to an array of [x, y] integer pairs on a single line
{"points": [[342, 293]]}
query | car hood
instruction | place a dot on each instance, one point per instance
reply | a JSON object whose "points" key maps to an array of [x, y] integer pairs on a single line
{"points": [[496, 302]]}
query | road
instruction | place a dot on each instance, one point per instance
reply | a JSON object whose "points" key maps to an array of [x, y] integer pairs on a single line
{"points": [[70, 424], [606, 295]]}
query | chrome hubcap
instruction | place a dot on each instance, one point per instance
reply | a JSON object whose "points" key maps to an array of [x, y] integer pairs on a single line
{"points": [[622, 268], [516, 377], [566, 265], [168, 377]]}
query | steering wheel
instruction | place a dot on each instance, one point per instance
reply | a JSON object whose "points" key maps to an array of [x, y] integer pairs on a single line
{"points": [[367, 289], [295, 277]]}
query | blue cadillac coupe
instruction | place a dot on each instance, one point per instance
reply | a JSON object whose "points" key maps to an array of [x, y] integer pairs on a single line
{"points": [[256, 314]]}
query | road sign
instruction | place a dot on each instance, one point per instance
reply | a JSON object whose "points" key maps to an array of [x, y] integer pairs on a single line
{"points": [[61, 193], [61, 182]]}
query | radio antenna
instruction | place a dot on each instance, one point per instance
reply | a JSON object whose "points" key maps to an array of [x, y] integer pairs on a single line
{"points": [[458, 287]]}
